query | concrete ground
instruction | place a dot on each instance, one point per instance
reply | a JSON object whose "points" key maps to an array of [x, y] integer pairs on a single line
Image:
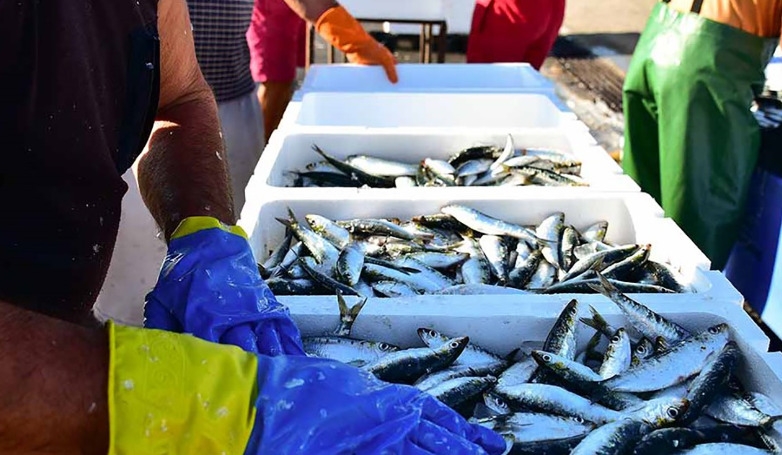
{"points": [[610, 28]]}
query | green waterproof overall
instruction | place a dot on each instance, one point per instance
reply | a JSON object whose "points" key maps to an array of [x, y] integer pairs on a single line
{"points": [[690, 138]]}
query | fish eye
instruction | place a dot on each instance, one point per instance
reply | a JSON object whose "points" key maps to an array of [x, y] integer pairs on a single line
{"points": [[714, 330], [430, 332], [579, 419], [454, 344], [672, 413], [384, 346], [616, 338], [546, 357], [641, 349]]}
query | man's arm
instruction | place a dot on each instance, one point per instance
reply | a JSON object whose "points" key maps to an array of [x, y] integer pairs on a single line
{"points": [[182, 171], [310, 10], [53, 380]]}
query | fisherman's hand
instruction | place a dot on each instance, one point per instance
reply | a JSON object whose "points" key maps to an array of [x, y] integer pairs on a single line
{"points": [[178, 394], [344, 32], [209, 286]]}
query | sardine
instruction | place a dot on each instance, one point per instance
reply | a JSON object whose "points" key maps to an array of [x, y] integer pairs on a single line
{"points": [[672, 367], [406, 366], [647, 322]]}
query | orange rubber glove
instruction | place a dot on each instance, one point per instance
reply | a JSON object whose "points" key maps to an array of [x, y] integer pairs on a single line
{"points": [[344, 32]]}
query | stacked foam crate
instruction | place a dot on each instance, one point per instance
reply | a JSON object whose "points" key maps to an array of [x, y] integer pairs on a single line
{"points": [[434, 111]]}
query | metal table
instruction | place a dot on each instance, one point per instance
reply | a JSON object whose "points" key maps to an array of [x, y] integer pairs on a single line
{"points": [[426, 39]]}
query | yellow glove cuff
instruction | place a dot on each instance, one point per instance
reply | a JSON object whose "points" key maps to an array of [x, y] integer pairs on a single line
{"points": [[194, 224], [176, 394]]}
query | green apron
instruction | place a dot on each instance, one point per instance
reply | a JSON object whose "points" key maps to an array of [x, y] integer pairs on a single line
{"points": [[690, 139]]}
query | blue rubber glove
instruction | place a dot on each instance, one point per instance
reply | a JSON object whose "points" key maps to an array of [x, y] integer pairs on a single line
{"points": [[308, 405], [209, 286]]}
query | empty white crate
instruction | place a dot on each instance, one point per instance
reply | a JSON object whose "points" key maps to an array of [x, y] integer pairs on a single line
{"points": [[292, 152], [397, 9], [416, 77], [632, 217], [483, 111]]}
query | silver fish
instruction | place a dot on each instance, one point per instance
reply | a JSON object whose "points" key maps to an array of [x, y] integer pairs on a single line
{"points": [[724, 448], [496, 252], [555, 400], [647, 322], [410, 364], [618, 355], [349, 265], [472, 355], [393, 289], [549, 233], [473, 167], [381, 167], [485, 224], [596, 232], [345, 350], [320, 248], [672, 367], [457, 391]]}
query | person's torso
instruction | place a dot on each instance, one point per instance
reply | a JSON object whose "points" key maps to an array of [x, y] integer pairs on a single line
{"points": [[219, 32], [758, 17], [80, 89]]}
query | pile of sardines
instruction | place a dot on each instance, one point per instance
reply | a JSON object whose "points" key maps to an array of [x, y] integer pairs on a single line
{"points": [[474, 166], [458, 251], [649, 386]]}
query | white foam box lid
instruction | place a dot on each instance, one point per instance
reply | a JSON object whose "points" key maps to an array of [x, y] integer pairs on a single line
{"points": [[417, 77], [632, 217], [397, 9], [293, 152], [484, 111]]}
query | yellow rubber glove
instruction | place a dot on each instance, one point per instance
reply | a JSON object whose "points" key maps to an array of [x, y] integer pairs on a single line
{"points": [[176, 394], [344, 32]]}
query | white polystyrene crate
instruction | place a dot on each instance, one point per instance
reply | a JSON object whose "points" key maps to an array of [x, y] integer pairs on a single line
{"points": [[416, 77], [504, 323], [292, 152], [397, 9], [632, 217], [484, 111]]}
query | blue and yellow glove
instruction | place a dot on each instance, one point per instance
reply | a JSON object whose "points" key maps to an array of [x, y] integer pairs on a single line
{"points": [[175, 394], [209, 286]]}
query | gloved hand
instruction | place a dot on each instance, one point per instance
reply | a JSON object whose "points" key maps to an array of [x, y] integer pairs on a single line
{"points": [[209, 286], [170, 393], [344, 32]]}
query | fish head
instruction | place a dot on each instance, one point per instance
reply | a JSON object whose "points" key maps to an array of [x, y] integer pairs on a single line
{"points": [[454, 347], [496, 404], [431, 337], [660, 412], [549, 360], [382, 346]]}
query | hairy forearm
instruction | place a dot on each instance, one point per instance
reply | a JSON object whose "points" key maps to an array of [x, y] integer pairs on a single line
{"points": [[53, 378], [310, 10], [183, 171]]}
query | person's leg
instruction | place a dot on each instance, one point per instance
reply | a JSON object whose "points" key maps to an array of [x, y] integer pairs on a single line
{"points": [[502, 31], [641, 159], [241, 123], [273, 38], [539, 50]]}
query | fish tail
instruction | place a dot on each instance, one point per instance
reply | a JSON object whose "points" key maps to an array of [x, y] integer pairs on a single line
{"points": [[597, 321], [605, 287], [769, 422]]}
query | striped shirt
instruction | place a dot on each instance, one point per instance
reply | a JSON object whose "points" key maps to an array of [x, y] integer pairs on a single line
{"points": [[219, 31]]}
